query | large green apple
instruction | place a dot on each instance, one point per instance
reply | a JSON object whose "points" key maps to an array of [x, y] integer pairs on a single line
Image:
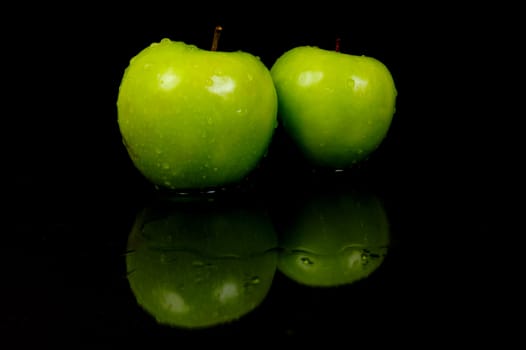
{"points": [[334, 238], [336, 107], [192, 118], [198, 264]]}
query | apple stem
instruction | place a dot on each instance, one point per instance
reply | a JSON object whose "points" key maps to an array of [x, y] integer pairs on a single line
{"points": [[217, 34], [337, 48]]}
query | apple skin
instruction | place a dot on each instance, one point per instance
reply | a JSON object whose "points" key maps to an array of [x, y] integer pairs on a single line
{"points": [[195, 119], [196, 265], [334, 238], [336, 107]]}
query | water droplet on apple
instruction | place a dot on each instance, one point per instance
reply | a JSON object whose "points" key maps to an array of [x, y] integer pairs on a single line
{"points": [[250, 77], [242, 111], [360, 151], [158, 151], [254, 280], [306, 261], [350, 83], [166, 166], [215, 169], [209, 121], [167, 183]]}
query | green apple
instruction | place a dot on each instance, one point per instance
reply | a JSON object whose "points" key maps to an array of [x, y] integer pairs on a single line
{"points": [[198, 264], [192, 118], [334, 238], [336, 107]]}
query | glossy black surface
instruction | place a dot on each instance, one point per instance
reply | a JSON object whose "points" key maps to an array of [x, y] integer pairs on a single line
{"points": [[75, 194]]}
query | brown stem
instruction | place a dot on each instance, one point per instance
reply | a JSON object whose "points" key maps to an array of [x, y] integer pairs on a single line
{"points": [[217, 34], [337, 48]]}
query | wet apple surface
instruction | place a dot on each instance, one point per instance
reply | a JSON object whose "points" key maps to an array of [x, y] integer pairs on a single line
{"points": [[337, 107], [193, 118]]}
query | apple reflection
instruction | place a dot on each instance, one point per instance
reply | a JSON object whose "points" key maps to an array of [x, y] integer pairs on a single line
{"points": [[333, 238], [196, 263]]}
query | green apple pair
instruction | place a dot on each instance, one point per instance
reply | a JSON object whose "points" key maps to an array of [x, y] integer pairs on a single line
{"points": [[197, 119]]}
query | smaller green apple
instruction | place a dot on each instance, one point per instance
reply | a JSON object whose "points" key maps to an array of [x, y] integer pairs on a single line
{"points": [[198, 264], [195, 119], [333, 239], [336, 107]]}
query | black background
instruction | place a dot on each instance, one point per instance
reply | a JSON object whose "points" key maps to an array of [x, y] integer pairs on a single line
{"points": [[75, 193]]}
